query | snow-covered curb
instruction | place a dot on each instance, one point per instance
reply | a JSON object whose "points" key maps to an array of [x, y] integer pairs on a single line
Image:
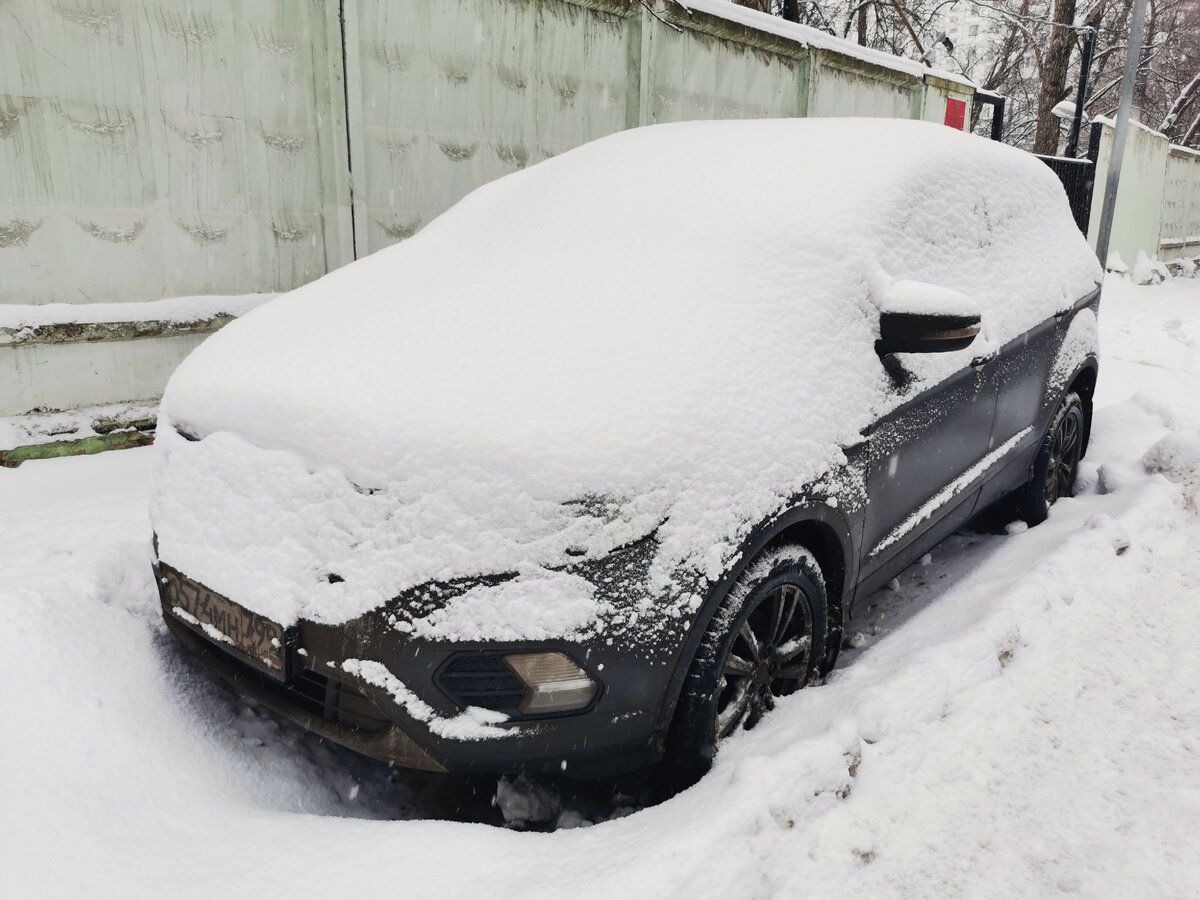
{"points": [[74, 425], [172, 311]]}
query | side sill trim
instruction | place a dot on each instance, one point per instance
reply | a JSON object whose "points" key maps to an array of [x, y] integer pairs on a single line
{"points": [[947, 494]]}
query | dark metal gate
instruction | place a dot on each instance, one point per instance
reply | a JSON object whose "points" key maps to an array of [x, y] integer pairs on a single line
{"points": [[1078, 177]]}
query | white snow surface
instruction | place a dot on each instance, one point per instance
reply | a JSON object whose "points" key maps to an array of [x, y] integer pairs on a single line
{"points": [[641, 319], [68, 425], [535, 605], [904, 296], [1177, 457], [472, 724], [1021, 719]]}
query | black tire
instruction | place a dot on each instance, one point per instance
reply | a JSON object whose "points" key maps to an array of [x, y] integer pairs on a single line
{"points": [[767, 639], [1057, 463]]}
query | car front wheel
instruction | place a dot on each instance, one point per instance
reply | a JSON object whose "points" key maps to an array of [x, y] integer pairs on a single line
{"points": [[766, 640]]}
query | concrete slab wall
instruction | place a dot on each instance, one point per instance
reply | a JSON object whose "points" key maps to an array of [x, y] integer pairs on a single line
{"points": [[158, 148], [1180, 234], [1137, 217], [938, 92], [66, 376], [447, 96], [1158, 202]]}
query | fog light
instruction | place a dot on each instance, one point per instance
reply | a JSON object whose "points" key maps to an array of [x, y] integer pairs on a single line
{"points": [[555, 683]]}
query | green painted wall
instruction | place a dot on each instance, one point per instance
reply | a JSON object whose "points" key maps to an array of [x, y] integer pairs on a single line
{"points": [[153, 149]]}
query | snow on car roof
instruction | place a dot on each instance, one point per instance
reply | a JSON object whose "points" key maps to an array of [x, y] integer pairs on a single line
{"points": [[681, 317]]}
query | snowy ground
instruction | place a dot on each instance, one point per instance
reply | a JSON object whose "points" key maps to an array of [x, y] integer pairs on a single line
{"points": [[1021, 716]]}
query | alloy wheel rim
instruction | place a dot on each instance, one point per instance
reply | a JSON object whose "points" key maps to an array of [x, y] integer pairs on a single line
{"points": [[767, 658], [1064, 458]]}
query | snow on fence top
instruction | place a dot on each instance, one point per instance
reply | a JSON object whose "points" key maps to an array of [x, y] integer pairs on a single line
{"points": [[678, 319], [813, 37]]}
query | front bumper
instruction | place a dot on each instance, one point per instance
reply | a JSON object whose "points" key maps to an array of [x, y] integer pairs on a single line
{"points": [[623, 730]]}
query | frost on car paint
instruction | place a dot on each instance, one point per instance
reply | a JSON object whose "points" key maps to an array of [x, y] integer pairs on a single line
{"points": [[949, 492], [1080, 342]]}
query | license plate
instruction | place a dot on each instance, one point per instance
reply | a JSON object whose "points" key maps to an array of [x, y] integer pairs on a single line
{"points": [[256, 639]]}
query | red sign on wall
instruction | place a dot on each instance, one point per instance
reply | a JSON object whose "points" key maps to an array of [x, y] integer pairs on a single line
{"points": [[956, 113]]}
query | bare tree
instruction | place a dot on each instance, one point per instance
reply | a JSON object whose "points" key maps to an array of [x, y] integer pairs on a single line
{"points": [[1182, 102], [1054, 76], [1027, 50]]}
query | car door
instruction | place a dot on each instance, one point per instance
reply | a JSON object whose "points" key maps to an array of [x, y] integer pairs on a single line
{"points": [[921, 458], [1022, 368]]}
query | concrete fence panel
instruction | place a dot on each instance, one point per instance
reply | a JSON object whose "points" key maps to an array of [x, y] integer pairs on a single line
{"points": [[711, 68], [1137, 217], [446, 96], [152, 149], [1181, 205], [848, 87]]}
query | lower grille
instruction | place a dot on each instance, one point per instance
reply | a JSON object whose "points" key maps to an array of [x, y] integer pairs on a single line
{"points": [[482, 680], [310, 691]]}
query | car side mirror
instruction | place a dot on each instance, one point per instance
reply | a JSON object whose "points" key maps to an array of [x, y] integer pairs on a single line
{"points": [[908, 332]]}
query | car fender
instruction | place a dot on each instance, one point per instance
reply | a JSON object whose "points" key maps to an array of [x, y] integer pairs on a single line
{"points": [[810, 510]]}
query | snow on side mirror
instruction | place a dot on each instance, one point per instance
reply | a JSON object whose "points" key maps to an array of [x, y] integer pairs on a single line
{"points": [[916, 317]]}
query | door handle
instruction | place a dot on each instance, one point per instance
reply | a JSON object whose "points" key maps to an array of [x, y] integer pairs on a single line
{"points": [[980, 361]]}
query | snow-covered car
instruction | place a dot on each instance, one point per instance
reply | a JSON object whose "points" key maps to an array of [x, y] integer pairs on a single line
{"points": [[594, 468]]}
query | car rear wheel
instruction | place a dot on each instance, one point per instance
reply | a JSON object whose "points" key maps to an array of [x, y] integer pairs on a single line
{"points": [[1057, 463], [766, 640]]}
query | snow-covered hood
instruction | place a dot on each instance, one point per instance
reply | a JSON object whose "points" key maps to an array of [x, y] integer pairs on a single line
{"points": [[292, 538], [671, 325]]}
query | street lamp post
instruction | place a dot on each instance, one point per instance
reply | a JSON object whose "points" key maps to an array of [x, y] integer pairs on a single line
{"points": [[1134, 55], [1085, 65]]}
